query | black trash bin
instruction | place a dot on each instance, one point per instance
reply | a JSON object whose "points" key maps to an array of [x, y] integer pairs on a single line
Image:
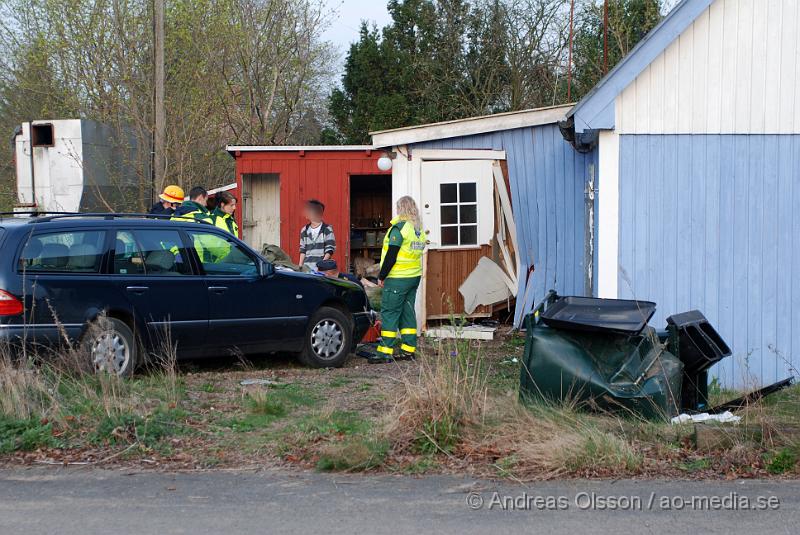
{"points": [[699, 346]]}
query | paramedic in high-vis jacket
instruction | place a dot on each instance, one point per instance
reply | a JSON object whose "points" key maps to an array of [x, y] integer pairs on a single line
{"points": [[400, 275]]}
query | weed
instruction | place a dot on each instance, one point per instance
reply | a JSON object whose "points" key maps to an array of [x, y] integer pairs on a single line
{"points": [[335, 422], [505, 465], [262, 403], [438, 436], [338, 382], [421, 465], [782, 461], [130, 428], [352, 453], [696, 465], [209, 388], [24, 435]]}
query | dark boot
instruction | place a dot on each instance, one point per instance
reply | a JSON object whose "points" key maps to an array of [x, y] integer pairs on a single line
{"points": [[405, 355], [380, 358]]}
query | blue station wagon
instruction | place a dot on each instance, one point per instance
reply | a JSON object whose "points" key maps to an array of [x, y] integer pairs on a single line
{"points": [[120, 285]]}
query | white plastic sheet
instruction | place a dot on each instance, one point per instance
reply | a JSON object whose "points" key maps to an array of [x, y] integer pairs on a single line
{"points": [[725, 417]]}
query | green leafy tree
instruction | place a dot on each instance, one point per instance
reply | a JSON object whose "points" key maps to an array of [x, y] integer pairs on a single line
{"points": [[628, 22]]}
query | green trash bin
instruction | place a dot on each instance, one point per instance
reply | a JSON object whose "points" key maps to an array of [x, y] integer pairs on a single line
{"points": [[601, 354]]}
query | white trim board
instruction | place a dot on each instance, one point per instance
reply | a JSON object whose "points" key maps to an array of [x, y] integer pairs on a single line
{"points": [[608, 215], [470, 126], [447, 154], [296, 148]]}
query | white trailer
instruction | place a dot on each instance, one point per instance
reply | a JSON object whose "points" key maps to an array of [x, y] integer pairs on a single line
{"points": [[73, 165]]}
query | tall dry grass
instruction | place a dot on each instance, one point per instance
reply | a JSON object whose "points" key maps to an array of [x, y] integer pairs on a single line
{"points": [[446, 395], [56, 384], [445, 407]]}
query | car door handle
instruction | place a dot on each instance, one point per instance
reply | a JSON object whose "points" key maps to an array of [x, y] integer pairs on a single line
{"points": [[138, 290], [218, 289]]}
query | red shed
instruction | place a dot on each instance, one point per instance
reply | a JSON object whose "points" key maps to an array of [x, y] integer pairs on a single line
{"points": [[275, 182]]}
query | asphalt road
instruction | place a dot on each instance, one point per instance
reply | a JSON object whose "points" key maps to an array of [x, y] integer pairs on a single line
{"points": [[83, 501]]}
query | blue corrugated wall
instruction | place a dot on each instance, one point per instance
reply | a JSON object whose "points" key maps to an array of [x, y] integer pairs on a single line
{"points": [[547, 178], [710, 222]]}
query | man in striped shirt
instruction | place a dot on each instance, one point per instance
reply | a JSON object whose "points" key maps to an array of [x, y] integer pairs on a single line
{"points": [[317, 241]]}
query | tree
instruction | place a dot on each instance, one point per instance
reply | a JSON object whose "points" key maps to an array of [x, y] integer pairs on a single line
{"points": [[628, 22], [437, 60], [448, 59], [237, 71]]}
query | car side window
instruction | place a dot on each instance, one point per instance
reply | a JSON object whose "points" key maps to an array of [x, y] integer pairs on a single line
{"points": [[162, 252], [71, 251], [128, 258], [220, 256]]}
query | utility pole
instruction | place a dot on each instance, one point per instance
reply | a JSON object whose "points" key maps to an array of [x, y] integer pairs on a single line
{"points": [[569, 57], [605, 37], [159, 130]]}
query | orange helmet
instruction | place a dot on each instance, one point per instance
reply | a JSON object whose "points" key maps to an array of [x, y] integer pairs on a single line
{"points": [[172, 194]]}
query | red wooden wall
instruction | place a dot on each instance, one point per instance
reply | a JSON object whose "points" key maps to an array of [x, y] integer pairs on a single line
{"points": [[311, 174]]}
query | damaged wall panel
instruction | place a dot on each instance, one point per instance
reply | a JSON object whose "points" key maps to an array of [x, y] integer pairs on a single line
{"points": [[548, 181]]}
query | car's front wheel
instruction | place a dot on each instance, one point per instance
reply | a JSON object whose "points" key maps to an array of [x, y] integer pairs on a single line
{"points": [[111, 347], [328, 339]]}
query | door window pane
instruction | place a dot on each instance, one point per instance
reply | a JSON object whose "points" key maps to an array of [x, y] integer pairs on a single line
{"points": [[220, 256], [450, 235], [448, 193], [163, 253], [449, 215], [469, 214], [469, 234], [467, 192], [128, 258], [64, 252]]}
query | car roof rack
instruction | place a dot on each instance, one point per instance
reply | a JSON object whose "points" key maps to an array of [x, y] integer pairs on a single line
{"points": [[43, 217]]}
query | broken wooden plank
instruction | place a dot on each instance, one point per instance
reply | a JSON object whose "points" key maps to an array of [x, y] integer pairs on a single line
{"points": [[470, 332]]}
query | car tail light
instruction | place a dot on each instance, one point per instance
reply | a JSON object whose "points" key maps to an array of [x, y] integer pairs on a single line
{"points": [[9, 305]]}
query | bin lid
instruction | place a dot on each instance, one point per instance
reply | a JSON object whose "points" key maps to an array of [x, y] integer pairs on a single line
{"points": [[621, 316]]}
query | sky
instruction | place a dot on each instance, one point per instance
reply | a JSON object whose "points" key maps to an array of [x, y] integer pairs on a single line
{"points": [[347, 18]]}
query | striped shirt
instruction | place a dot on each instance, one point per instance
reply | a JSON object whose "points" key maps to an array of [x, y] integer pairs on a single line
{"points": [[316, 243]]}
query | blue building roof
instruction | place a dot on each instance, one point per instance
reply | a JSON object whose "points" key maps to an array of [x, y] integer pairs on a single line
{"points": [[595, 111]]}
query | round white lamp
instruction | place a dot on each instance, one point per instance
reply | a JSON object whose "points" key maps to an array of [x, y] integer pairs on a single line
{"points": [[384, 163]]}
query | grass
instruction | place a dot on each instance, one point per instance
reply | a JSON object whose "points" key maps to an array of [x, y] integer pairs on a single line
{"points": [[24, 435], [448, 394], [352, 454], [782, 461], [47, 395], [457, 409]]}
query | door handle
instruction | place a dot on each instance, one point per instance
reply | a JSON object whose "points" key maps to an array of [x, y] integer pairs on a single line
{"points": [[218, 289], [137, 289]]}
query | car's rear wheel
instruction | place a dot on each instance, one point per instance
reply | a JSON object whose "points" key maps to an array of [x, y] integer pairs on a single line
{"points": [[328, 339], [111, 347]]}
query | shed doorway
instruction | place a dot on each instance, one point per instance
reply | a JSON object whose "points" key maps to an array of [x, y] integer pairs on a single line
{"points": [[261, 209], [370, 216]]}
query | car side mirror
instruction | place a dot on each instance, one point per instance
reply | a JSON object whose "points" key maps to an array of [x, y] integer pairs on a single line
{"points": [[266, 269]]}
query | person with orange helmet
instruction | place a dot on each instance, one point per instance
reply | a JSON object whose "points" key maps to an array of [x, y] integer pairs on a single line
{"points": [[169, 200]]}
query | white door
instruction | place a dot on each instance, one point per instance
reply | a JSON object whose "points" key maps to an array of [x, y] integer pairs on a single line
{"points": [[261, 216], [458, 203]]}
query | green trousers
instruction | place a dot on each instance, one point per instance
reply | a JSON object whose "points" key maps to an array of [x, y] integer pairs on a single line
{"points": [[398, 318]]}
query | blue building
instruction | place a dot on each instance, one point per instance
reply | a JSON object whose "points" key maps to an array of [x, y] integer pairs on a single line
{"points": [[675, 180], [697, 133]]}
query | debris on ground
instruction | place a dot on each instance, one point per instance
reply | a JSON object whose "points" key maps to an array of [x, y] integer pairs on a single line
{"points": [[724, 418], [262, 382], [467, 332]]}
